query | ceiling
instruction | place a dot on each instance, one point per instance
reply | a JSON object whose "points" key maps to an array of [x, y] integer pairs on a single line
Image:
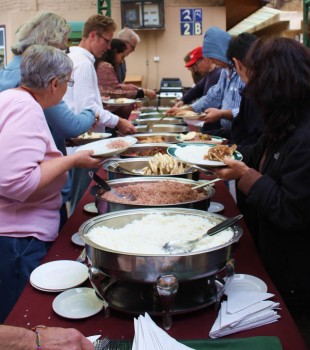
{"points": [[238, 10]]}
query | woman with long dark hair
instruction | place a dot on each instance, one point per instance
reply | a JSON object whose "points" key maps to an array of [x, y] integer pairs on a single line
{"points": [[273, 178], [109, 86]]}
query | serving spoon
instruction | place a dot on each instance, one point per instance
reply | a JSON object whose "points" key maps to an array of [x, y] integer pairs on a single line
{"points": [[103, 184], [178, 246], [206, 183], [150, 125]]}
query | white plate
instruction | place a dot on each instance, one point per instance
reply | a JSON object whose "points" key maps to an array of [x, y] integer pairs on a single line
{"points": [[77, 303], [95, 135], [59, 275], [91, 208], [246, 283], [215, 207], [101, 148], [194, 154], [214, 140], [47, 290], [76, 239], [114, 102], [191, 117]]}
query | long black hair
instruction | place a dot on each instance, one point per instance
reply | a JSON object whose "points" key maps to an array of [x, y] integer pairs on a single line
{"points": [[279, 81], [117, 46]]}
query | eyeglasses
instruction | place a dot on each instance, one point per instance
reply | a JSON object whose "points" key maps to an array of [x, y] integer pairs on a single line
{"points": [[106, 40], [195, 65], [132, 47], [70, 82]]}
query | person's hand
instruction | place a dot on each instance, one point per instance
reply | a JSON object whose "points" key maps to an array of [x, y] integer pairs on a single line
{"points": [[125, 127], [178, 104], [212, 115], [151, 94], [84, 159], [54, 338], [234, 170], [173, 111]]}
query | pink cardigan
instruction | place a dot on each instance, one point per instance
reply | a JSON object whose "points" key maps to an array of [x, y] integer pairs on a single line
{"points": [[25, 142]]}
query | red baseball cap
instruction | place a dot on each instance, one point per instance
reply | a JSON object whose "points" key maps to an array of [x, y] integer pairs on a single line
{"points": [[195, 55]]}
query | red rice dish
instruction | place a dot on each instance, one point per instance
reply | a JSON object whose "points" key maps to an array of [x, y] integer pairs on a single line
{"points": [[156, 193]]}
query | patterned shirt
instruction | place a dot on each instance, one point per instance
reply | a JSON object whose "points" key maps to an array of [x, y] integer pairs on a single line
{"points": [[224, 95]]}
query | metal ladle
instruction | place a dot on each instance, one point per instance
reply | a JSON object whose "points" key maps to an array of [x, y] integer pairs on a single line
{"points": [[175, 247], [103, 184], [150, 125]]}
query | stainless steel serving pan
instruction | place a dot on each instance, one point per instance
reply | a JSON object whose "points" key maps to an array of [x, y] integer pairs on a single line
{"points": [[153, 120], [166, 136], [136, 164], [105, 206], [135, 150], [166, 128], [148, 268]]}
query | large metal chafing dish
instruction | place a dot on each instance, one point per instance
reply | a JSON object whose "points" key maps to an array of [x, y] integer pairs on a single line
{"points": [[105, 206], [131, 164], [164, 128], [144, 149], [159, 284]]}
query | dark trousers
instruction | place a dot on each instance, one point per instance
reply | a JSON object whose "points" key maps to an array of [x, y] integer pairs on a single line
{"points": [[18, 258]]}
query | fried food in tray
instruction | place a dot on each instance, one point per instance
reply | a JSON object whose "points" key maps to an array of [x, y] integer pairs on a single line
{"points": [[195, 136], [151, 139], [219, 152], [163, 164]]}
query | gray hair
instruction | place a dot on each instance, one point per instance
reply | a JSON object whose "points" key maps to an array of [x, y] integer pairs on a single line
{"points": [[127, 34], [41, 64], [46, 28]]}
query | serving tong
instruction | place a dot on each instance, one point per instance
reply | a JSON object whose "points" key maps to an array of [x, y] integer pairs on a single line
{"points": [[103, 184], [116, 166], [178, 246]]}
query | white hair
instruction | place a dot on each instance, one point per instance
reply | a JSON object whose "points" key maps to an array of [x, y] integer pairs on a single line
{"points": [[41, 64], [127, 34], [47, 28]]}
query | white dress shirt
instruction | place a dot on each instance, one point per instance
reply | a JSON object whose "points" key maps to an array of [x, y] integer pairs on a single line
{"points": [[84, 94]]}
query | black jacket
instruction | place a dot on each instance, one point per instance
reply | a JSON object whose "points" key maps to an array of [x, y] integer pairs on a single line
{"points": [[277, 210]]}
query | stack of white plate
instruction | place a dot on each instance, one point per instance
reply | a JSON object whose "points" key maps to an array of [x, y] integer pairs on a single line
{"points": [[57, 276]]}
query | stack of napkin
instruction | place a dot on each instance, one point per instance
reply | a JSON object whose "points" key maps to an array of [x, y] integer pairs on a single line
{"points": [[151, 337], [244, 310]]}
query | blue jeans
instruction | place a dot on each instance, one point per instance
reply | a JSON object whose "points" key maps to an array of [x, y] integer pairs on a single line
{"points": [[18, 258]]}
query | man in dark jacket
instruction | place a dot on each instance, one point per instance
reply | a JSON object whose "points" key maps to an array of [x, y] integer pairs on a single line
{"points": [[205, 67]]}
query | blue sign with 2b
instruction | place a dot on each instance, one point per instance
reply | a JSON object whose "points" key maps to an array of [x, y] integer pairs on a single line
{"points": [[191, 21]]}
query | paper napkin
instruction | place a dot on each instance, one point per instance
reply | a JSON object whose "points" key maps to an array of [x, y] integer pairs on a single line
{"points": [[244, 310], [242, 300], [149, 336]]}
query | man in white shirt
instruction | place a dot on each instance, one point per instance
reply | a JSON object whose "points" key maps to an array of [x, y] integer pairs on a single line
{"points": [[97, 35]]}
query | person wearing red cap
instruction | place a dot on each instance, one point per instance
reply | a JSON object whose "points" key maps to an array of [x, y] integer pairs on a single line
{"points": [[204, 67]]}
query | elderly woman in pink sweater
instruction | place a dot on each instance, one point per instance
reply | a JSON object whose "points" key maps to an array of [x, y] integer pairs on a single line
{"points": [[33, 170]]}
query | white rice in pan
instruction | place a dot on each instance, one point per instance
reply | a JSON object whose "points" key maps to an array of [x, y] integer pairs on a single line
{"points": [[148, 235]]}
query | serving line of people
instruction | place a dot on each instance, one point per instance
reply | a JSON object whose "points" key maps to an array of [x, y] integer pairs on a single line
{"points": [[272, 181], [270, 130]]}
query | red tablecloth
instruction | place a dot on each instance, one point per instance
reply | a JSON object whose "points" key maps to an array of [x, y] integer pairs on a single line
{"points": [[35, 307]]}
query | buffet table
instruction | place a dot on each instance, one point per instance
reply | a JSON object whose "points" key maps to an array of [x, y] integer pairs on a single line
{"points": [[35, 307]]}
